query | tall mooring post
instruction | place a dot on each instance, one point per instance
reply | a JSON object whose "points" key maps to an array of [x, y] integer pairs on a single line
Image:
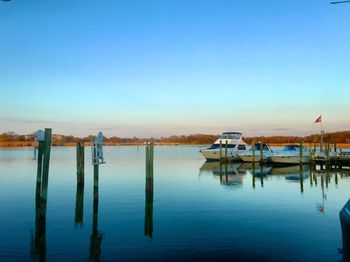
{"points": [[44, 149], [38, 246], [226, 157], [220, 153], [80, 162], [148, 228], [301, 155], [97, 159], [261, 154], [253, 153], [79, 198]]}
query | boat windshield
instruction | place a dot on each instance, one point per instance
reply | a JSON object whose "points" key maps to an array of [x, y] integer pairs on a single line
{"points": [[264, 148], [231, 136], [215, 146], [293, 148]]}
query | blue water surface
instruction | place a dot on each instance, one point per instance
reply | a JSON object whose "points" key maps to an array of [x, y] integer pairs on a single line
{"points": [[200, 211]]}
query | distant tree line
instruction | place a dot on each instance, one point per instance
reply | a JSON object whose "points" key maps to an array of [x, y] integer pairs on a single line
{"points": [[335, 137]]}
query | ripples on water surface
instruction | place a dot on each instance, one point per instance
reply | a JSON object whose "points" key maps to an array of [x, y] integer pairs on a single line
{"points": [[200, 212]]}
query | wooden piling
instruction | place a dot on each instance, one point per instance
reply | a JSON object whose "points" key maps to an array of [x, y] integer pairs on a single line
{"points": [[253, 153], [220, 153], [301, 155], [226, 158], [39, 169], [261, 154], [96, 171], [39, 239], [148, 225], [327, 156], [301, 179], [341, 159], [45, 163], [335, 156], [80, 162]]}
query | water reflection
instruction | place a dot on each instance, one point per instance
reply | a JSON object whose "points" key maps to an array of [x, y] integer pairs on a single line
{"points": [[290, 170], [96, 236], [38, 238], [149, 208], [256, 168], [79, 205], [229, 174]]}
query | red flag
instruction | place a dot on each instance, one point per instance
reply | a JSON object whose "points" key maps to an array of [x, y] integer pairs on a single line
{"points": [[318, 120]]}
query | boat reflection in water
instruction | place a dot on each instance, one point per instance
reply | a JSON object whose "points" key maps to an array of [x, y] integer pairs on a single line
{"points": [[229, 174], [290, 170], [344, 216], [255, 169]]}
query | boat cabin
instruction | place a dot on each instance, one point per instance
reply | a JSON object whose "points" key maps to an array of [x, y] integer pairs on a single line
{"points": [[231, 135]]}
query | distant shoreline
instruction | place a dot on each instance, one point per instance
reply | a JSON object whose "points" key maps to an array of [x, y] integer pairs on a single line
{"points": [[4, 144]]}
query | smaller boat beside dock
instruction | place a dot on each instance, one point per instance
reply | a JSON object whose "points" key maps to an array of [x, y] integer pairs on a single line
{"points": [[291, 155], [250, 156]]}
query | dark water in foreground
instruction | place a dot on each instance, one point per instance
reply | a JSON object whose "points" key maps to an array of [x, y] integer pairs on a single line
{"points": [[196, 214]]}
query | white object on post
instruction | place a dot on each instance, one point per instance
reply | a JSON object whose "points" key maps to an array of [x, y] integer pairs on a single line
{"points": [[39, 136], [97, 150]]}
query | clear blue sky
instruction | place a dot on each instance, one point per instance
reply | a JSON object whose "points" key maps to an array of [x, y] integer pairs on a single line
{"points": [[152, 68]]}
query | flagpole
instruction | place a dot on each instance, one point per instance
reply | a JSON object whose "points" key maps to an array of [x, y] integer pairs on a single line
{"points": [[321, 143]]}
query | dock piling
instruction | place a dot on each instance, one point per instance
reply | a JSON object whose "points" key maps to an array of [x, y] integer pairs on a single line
{"points": [[261, 154], [301, 155], [220, 153], [253, 153], [148, 226], [80, 163]]}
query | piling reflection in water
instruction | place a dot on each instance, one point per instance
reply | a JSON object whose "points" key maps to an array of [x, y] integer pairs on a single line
{"points": [[148, 230], [231, 174], [96, 236], [79, 205], [38, 238]]}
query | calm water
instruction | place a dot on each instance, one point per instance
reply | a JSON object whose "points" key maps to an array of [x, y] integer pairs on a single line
{"points": [[197, 214]]}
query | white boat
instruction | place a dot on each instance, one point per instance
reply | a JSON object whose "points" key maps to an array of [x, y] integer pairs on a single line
{"points": [[235, 146], [247, 156], [290, 154]]}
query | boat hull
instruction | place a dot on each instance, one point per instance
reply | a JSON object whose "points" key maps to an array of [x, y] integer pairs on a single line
{"points": [[214, 155], [289, 160]]}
